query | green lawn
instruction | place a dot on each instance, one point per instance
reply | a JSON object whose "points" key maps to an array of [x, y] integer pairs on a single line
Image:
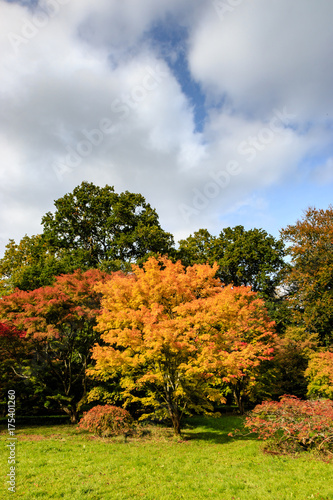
{"points": [[57, 461]]}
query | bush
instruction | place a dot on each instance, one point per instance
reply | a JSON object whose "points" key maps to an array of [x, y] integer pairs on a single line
{"points": [[106, 420], [292, 424]]}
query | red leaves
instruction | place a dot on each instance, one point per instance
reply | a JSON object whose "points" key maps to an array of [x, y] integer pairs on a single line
{"points": [[10, 332], [106, 420], [47, 311], [293, 424]]}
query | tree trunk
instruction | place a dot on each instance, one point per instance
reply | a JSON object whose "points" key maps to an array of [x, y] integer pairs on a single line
{"points": [[73, 414], [175, 418], [239, 400]]}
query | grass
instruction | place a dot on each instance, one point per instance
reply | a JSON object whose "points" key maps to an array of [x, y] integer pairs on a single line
{"points": [[55, 461]]}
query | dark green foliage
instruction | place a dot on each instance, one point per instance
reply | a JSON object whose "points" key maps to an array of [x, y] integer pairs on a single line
{"points": [[246, 258], [102, 229]]}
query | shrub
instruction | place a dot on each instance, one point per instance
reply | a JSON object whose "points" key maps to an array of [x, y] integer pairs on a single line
{"points": [[106, 420], [292, 424]]}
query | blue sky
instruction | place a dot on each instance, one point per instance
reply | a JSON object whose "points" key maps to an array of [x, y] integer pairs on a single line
{"points": [[219, 112]]}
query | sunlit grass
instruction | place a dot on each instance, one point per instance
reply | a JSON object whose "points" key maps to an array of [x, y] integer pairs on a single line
{"points": [[57, 461]]}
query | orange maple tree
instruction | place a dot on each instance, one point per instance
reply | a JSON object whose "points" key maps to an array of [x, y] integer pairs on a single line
{"points": [[175, 334]]}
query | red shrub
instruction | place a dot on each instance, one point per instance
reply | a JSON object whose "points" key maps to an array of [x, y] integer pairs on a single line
{"points": [[293, 424], [106, 420]]}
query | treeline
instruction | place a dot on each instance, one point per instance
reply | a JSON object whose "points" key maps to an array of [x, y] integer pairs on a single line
{"points": [[50, 306]]}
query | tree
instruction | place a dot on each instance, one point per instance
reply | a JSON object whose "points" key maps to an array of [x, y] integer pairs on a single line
{"points": [[30, 264], [320, 375], [92, 227], [245, 258], [14, 350], [99, 228], [286, 374], [310, 278], [59, 320], [176, 335]]}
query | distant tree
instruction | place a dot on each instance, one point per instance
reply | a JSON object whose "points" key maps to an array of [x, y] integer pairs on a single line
{"points": [[286, 373], [15, 355], [30, 264], [99, 228], [310, 277], [92, 227], [59, 320], [176, 335], [245, 258]]}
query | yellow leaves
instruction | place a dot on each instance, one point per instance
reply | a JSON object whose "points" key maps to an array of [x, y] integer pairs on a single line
{"points": [[176, 332]]}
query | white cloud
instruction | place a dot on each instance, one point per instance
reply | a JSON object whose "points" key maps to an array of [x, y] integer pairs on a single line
{"points": [[87, 96]]}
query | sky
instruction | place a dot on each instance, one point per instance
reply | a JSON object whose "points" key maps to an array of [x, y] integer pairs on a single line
{"points": [[220, 112]]}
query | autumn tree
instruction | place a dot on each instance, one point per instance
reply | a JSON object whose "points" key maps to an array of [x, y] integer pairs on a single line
{"points": [[59, 320], [175, 335], [14, 352], [320, 375], [310, 278]]}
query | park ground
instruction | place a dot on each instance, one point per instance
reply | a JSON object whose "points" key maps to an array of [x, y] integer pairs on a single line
{"points": [[57, 461]]}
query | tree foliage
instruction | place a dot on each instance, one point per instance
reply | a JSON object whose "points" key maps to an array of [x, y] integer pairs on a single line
{"points": [[102, 229], [245, 258], [91, 227], [59, 320], [14, 351], [30, 264], [310, 278], [176, 335], [320, 375]]}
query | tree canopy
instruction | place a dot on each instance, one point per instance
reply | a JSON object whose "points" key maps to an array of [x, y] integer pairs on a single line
{"points": [[59, 321], [92, 227], [175, 334], [245, 258], [101, 228], [310, 279]]}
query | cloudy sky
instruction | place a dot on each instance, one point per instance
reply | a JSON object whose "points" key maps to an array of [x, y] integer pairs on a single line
{"points": [[220, 112]]}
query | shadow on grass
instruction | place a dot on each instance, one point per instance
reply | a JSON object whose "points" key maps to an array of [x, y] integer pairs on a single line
{"points": [[215, 430], [37, 421]]}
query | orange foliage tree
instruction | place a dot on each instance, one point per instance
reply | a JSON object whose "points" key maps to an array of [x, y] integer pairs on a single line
{"points": [[175, 335]]}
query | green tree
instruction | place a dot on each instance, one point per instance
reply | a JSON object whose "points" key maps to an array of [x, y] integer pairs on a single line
{"points": [[99, 228], [30, 264], [309, 280], [245, 258], [92, 227]]}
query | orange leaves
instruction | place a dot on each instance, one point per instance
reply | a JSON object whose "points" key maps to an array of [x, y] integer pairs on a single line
{"points": [[171, 328]]}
